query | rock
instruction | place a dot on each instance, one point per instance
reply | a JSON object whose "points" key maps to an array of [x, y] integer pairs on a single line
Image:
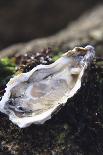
{"points": [[88, 29], [76, 129], [21, 21]]}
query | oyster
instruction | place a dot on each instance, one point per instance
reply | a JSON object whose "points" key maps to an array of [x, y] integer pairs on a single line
{"points": [[33, 96]]}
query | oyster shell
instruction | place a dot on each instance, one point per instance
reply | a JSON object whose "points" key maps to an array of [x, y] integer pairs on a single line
{"points": [[33, 96]]}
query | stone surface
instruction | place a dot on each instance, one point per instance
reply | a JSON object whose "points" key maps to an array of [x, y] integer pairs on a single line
{"points": [[77, 129], [88, 29], [23, 20]]}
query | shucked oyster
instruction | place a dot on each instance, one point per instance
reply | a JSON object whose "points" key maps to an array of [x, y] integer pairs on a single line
{"points": [[33, 96]]}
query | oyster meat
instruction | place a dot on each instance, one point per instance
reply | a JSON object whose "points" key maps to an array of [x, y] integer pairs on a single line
{"points": [[33, 96]]}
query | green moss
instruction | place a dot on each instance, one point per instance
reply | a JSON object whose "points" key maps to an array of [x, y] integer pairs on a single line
{"points": [[56, 54], [61, 138], [100, 63], [7, 62], [55, 57], [7, 68]]}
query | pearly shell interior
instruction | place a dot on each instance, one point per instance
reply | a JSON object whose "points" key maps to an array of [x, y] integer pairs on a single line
{"points": [[33, 96]]}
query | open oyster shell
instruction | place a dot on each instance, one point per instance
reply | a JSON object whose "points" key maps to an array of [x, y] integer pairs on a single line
{"points": [[33, 96]]}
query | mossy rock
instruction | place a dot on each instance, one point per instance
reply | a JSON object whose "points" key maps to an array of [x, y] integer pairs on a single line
{"points": [[76, 129]]}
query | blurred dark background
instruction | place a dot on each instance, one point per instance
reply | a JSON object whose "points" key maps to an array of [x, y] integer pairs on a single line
{"points": [[23, 20]]}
